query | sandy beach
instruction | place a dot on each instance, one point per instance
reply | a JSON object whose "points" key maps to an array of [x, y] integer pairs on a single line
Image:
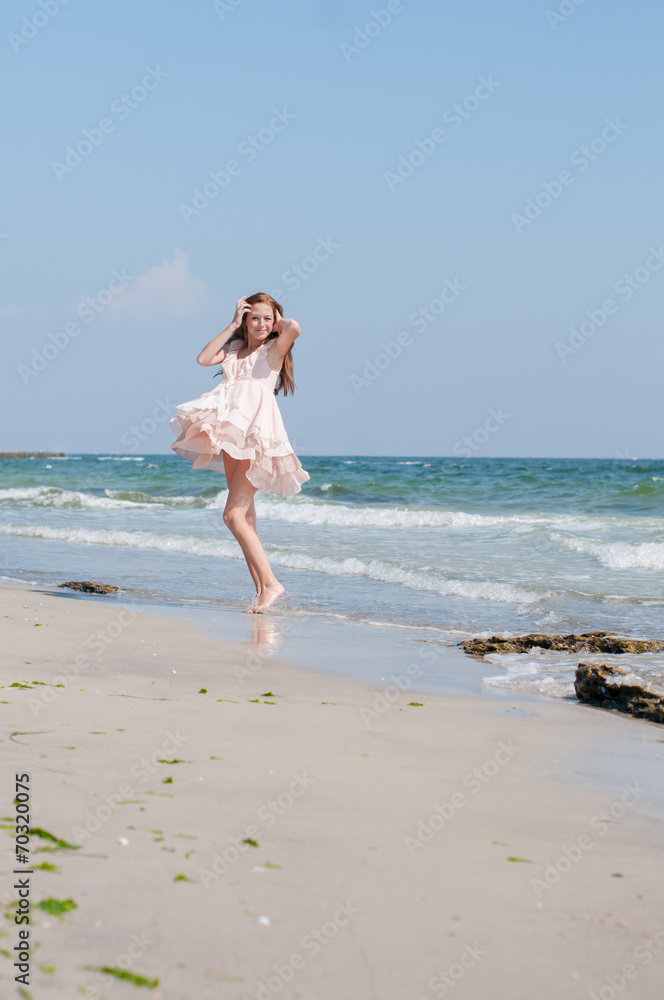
{"points": [[249, 828]]}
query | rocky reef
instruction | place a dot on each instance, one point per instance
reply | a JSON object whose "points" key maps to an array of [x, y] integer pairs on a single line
{"points": [[32, 454], [587, 642], [89, 586], [599, 684]]}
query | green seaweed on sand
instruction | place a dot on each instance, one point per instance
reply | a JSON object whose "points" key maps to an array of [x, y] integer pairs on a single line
{"points": [[183, 878], [250, 841], [57, 907], [416, 704], [48, 969], [45, 866], [59, 844], [203, 691], [269, 694], [167, 781], [269, 864], [24, 994], [174, 761], [128, 977], [526, 861], [17, 685]]}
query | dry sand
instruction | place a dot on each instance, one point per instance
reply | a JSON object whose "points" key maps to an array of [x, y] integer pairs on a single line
{"points": [[467, 847]]}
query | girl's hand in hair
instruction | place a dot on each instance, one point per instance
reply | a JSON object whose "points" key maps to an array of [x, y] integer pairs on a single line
{"points": [[241, 307]]}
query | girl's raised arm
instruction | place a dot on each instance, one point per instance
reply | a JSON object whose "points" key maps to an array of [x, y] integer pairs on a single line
{"points": [[289, 331], [215, 352]]}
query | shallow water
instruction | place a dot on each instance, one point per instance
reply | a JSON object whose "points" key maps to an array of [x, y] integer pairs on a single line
{"points": [[456, 547]]}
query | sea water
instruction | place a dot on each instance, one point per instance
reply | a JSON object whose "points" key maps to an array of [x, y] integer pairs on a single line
{"points": [[453, 547]]}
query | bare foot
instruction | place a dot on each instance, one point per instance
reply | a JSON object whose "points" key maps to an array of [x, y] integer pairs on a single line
{"points": [[250, 610], [268, 596]]}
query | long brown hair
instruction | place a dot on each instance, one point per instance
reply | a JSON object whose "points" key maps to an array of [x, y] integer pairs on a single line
{"points": [[285, 381]]}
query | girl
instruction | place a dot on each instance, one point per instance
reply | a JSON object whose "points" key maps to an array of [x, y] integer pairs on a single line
{"points": [[237, 426]]}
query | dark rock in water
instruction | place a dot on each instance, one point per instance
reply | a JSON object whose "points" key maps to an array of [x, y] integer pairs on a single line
{"points": [[599, 684], [32, 454], [587, 642], [89, 586]]}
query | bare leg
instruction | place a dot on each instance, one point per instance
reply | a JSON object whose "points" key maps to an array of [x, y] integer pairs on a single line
{"points": [[230, 468], [237, 514]]}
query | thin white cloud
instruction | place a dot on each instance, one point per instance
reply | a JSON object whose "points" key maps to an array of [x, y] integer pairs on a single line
{"points": [[167, 291], [12, 311]]}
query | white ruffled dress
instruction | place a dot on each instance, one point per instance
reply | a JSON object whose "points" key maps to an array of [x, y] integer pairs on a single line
{"points": [[240, 416]]}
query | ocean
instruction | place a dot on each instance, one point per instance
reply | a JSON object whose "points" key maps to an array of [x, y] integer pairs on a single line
{"points": [[452, 547]]}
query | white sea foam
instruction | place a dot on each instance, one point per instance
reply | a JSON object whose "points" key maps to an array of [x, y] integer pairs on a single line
{"points": [[437, 583], [128, 539], [119, 458], [51, 496], [617, 555], [325, 513], [543, 672]]}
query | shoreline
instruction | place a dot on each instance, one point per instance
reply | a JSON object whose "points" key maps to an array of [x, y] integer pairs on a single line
{"points": [[395, 845]]}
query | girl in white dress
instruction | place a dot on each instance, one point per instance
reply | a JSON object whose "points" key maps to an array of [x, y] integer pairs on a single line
{"points": [[237, 427]]}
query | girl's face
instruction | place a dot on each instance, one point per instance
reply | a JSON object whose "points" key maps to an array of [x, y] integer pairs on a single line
{"points": [[260, 320]]}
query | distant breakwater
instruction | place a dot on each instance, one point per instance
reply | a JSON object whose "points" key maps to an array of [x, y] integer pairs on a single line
{"points": [[32, 454]]}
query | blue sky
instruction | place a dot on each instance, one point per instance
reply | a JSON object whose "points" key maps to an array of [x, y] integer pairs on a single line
{"points": [[437, 304]]}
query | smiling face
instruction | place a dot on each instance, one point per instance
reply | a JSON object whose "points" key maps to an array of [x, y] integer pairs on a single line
{"points": [[259, 320]]}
